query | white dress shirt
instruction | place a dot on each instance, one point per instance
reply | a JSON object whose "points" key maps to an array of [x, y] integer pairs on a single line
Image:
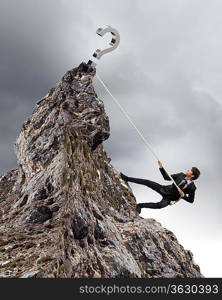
{"points": [[188, 182]]}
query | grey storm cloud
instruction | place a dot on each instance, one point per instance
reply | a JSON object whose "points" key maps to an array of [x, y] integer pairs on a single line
{"points": [[166, 73]]}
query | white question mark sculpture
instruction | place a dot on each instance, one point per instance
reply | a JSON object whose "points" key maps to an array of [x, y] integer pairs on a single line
{"points": [[114, 42]]}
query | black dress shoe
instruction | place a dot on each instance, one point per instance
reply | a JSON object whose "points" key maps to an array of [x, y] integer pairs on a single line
{"points": [[138, 208], [124, 177]]}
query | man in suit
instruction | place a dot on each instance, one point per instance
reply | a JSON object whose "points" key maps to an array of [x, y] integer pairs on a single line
{"points": [[169, 192]]}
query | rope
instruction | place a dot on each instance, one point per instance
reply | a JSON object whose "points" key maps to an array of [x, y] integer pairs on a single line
{"points": [[134, 126]]}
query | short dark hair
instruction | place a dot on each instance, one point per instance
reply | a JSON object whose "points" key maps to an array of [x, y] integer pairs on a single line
{"points": [[196, 172]]}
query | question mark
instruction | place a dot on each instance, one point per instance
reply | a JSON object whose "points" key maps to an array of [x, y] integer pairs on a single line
{"points": [[114, 42]]}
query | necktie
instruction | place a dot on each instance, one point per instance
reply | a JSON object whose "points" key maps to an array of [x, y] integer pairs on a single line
{"points": [[182, 184]]}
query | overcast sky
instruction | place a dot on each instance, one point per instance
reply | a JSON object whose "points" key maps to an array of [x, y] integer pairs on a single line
{"points": [[166, 73]]}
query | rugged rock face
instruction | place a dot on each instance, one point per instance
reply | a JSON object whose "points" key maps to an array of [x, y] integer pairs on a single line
{"points": [[65, 211]]}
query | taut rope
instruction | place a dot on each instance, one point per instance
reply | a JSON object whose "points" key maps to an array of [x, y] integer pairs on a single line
{"points": [[134, 126]]}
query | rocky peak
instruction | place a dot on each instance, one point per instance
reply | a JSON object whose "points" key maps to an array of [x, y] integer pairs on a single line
{"points": [[69, 113], [65, 211]]}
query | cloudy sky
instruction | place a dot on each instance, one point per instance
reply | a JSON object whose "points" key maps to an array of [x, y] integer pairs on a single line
{"points": [[166, 73]]}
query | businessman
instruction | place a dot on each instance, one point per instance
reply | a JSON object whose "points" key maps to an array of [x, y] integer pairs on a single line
{"points": [[185, 182]]}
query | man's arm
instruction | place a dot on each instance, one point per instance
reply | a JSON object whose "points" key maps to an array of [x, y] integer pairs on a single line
{"points": [[164, 173], [190, 197]]}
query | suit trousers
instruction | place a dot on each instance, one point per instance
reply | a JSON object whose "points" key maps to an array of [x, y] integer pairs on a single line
{"points": [[154, 186]]}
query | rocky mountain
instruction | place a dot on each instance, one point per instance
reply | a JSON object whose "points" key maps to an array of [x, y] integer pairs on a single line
{"points": [[65, 211]]}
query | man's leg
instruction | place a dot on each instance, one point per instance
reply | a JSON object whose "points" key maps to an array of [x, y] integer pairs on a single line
{"points": [[151, 184], [163, 203]]}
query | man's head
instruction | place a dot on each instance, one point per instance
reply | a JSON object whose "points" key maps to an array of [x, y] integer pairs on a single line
{"points": [[193, 173]]}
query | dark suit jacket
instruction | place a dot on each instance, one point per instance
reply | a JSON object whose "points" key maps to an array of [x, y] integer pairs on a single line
{"points": [[171, 190]]}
